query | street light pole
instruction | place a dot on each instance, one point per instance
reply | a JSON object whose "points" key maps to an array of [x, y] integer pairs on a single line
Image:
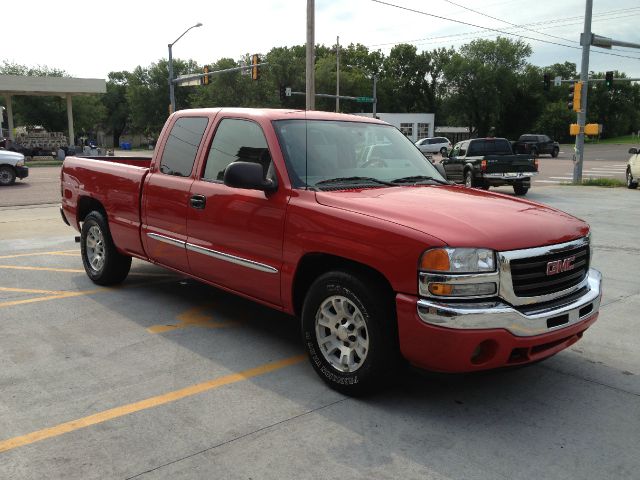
{"points": [[172, 97]]}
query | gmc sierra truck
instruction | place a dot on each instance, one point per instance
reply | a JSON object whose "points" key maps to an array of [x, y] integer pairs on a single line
{"points": [[342, 222], [487, 162]]}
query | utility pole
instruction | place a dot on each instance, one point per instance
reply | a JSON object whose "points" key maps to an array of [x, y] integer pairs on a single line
{"points": [[311, 47], [375, 98], [584, 78], [338, 74], [172, 97]]}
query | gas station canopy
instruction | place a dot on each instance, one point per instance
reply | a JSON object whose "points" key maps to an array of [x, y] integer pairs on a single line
{"points": [[65, 87]]}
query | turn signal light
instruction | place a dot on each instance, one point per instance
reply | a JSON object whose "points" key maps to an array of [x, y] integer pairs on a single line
{"points": [[440, 289], [436, 260]]}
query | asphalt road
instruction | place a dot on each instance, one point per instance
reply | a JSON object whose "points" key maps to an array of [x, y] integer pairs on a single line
{"points": [[167, 378]]}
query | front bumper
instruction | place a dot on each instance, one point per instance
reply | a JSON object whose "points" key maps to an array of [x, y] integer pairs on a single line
{"points": [[22, 172], [462, 337]]}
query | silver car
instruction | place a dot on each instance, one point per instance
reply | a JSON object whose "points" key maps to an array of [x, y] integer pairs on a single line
{"points": [[434, 145]]}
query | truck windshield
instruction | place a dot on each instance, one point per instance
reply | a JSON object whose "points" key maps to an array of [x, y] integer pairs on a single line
{"points": [[320, 152]]}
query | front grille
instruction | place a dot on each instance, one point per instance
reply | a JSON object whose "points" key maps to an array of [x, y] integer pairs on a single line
{"points": [[530, 279]]}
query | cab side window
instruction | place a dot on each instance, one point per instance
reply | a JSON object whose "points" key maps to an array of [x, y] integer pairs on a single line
{"points": [[182, 145], [237, 140]]}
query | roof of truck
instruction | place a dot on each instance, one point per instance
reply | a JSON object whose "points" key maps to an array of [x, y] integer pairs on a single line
{"points": [[281, 114]]}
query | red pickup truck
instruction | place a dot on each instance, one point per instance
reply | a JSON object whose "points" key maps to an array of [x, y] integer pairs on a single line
{"points": [[342, 222]]}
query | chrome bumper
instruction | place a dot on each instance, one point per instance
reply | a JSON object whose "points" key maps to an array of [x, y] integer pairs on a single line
{"points": [[497, 314], [510, 176]]}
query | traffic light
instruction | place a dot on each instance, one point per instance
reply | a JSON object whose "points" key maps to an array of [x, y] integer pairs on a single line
{"points": [[283, 92], [255, 69], [547, 81], [205, 79], [608, 80], [575, 96]]}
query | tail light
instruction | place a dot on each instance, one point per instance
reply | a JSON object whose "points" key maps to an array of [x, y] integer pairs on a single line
{"points": [[483, 165], [535, 163]]}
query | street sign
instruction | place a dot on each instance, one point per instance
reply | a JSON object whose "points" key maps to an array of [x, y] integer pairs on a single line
{"points": [[557, 82], [287, 92], [364, 99], [191, 82]]}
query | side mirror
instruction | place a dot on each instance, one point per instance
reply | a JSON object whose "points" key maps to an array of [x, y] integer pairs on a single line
{"points": [[248, 175], [633, 151], [441, 170]]}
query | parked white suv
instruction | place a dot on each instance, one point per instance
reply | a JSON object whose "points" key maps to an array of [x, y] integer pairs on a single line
{"points": [[12, 167], [434, 145], [633, 168]]}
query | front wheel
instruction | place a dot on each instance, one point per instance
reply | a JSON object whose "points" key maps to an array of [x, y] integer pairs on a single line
{"points": [[520, 189], [7, 175], [349, 330], [102, 261], [631, 182], [443, 151]]}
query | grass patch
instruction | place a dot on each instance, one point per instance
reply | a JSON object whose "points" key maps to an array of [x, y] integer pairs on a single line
{"points": [[599, 182], [43, 163], [624, 140]]}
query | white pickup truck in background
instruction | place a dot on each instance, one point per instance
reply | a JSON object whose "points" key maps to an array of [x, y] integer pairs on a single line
{"points": [[11, 167]]}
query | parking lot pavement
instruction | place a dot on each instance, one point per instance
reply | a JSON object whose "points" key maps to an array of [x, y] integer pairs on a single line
{"points": [[164, 377]]}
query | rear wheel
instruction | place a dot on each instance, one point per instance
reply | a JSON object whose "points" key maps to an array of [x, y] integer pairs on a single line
{"points": [[469, 181], [349, 330], [102, 261], [555, 152], [520, 189], [631, 182], [534, 152], [7, 175]]}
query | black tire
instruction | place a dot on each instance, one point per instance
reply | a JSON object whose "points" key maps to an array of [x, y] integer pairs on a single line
{"points": [[376, 311], [443, 151], [109, 266], [7, 175], [520, 189], [555, 152], [631, 182], [469, 180], [534, 152]]}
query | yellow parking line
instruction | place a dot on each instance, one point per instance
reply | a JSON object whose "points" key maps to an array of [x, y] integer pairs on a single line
{"points": [[33, 254], [152, 402], [31, 290], [74, 270], [70, 293]]}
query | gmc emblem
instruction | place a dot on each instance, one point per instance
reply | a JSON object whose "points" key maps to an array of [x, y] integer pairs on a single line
{"points": [[559, 266]]}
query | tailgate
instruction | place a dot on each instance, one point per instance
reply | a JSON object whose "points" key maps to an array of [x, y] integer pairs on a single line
{"points": [[510, 164]]}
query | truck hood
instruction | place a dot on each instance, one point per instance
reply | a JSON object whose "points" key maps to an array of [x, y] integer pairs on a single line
{"points": [[11, 157], [462, 217]]}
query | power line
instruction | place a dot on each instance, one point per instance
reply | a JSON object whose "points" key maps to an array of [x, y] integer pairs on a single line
{"points": [[495, 29], [505, 21], [543, 23]]}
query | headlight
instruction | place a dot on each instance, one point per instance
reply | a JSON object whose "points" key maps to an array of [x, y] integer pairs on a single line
{"points": [[458, 273], [20, 163], [458, 260]]}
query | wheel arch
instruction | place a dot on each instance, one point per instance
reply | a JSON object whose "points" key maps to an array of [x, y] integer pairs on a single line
{"points": [[312, 265], [86, 205]]}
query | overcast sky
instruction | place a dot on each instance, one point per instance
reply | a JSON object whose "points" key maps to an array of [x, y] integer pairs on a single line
{"points": [[90, 39]]}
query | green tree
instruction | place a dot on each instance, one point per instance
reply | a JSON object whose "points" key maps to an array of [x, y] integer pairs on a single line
{"points": [[482, 81]]}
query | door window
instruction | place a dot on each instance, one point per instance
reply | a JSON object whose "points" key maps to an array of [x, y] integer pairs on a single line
{"points": [[237, 140], [182, 145]]}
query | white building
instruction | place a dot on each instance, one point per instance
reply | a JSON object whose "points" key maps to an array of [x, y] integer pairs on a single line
{"points": [[414, 125]]}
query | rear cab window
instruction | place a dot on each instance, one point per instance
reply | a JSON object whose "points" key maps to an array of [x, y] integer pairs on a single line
{"points": [[181, 147]]}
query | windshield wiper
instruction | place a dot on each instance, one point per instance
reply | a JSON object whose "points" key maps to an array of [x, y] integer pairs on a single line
{"points": [[419, 178], [354, 180]]}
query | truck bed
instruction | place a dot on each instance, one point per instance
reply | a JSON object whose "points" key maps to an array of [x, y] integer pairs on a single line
{"points": [[115, 182]]}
